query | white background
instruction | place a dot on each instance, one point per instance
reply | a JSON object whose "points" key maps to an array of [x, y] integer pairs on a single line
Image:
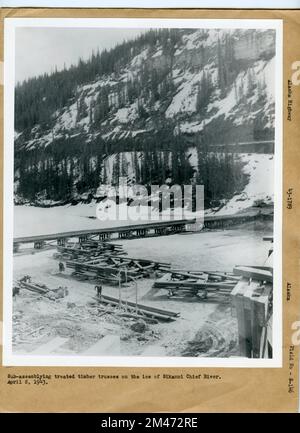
{"points": [[245, 4]]}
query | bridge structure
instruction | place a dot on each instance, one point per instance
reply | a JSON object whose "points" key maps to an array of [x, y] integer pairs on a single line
{"points": [[155, 228]]}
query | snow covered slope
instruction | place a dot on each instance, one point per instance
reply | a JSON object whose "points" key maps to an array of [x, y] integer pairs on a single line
{"points": [[142, 110], [259, 189], [203, 79]]}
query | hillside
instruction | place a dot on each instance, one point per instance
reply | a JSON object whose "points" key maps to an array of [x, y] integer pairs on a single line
{"points": [[156, 97]]}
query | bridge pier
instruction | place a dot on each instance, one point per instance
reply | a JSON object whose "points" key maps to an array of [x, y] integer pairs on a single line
{"points": [[160, 231], [39, 244], [142, 232], [125, 235], [177, 228], [82, 239], [61, 242]]}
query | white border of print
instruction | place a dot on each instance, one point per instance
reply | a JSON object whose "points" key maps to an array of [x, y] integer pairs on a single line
{"points": [[9, 358], [142, 4]]}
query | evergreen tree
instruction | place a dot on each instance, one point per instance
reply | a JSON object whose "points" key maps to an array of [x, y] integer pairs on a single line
{"points": [[81, 108], [205, 89], [116, 170]]}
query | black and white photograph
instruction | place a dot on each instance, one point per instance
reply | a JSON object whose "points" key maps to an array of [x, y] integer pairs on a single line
{"points": [[142, 192]]}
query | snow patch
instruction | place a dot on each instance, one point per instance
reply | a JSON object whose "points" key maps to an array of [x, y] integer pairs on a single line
{"points": [[140, 58], [260, 168], [157, 54], [185, 99], [126, 114]]}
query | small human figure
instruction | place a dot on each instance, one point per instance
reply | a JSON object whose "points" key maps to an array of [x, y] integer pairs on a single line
{"points": [[170, 293], [203, 295], [61, 267], [156, 274], [98, 289], [16, 291]]}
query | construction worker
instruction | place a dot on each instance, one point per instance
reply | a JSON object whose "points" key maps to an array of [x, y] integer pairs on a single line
{"points": [[170, 293], [156, 274], [16, 291], [25, 279], [203, 294], [61, 267], [99, 291]]}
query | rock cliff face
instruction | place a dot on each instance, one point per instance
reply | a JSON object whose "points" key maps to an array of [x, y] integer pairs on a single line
{"points": [[205, 76], [196, 87]]}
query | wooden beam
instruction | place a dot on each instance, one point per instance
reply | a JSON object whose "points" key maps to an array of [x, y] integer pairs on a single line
{"points": [[254, 272]]}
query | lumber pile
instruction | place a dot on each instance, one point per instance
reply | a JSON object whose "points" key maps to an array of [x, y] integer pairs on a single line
{"points": [[259, 273], [251, 301], [204, 284], [42, 289], [89, 248], [114, 269]]}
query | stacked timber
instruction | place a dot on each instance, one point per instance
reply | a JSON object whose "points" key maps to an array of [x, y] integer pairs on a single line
{"points": [[204, 284], [88, 249], [251, 301], [115, 269], [42, 289]]}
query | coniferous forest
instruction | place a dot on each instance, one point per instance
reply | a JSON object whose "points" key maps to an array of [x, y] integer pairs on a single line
{"points": [[69, 123]]}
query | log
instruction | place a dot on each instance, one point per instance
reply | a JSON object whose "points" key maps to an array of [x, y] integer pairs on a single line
{"points": [[144, 308], [33, 288]]}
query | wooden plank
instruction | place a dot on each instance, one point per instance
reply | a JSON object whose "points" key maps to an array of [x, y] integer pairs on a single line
{"points": [[33, 287], [254, 273], [250, 300], [101, 269], [236, 297], [188, 275], [196, 284], [144, 307], [147, 261]]}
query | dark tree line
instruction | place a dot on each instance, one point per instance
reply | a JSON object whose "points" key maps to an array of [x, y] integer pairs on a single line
{"points": [[205, 89], [221, 174], [61, 171], [227, 64], [59, 175], [156, 166], [69, 167]]}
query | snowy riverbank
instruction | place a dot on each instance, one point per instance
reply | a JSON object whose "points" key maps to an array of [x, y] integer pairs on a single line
{"points": [[31, 220]]}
